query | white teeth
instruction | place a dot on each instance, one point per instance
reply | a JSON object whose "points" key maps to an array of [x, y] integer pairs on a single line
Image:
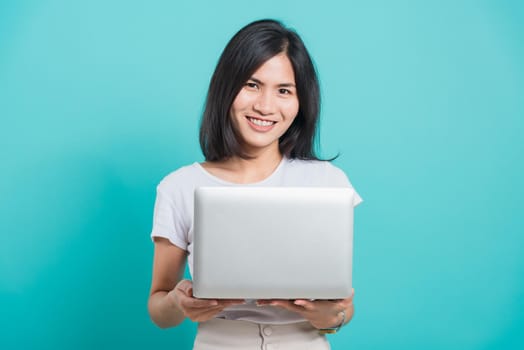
{"points": [[261, 122]]}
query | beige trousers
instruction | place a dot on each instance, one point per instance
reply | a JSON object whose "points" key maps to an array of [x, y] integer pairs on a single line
{"points": [[220, 334]]}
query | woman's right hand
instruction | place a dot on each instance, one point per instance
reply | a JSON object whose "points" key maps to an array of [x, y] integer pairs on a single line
{"points": [[198, 310]]}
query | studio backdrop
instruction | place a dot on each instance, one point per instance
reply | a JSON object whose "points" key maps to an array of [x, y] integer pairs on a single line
{"points": [[422, 100]]}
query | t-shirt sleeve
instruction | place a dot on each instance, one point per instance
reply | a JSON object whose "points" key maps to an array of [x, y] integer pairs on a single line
{"points": [[167, 222], [338, 178]]}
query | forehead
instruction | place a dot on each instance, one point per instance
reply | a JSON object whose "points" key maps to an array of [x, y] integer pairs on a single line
{"points": [[276, 69]]}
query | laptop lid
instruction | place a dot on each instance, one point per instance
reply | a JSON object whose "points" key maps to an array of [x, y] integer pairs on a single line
{"points": [[273, 242]]}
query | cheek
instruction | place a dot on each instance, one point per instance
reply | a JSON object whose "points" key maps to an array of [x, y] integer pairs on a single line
{"points": [[234, 107], [291, 109], [240, 102], [238, 108]]}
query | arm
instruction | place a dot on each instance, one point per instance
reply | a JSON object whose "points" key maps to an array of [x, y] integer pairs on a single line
{"points": [[171, 298], [168, 268]]}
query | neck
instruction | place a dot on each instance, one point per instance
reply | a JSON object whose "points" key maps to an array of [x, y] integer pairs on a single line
{"points": [[255, 169], [245, 171], [262, 163]]}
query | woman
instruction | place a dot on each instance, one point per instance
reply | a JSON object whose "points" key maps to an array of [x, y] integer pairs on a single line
{"points": [[258, 129]]}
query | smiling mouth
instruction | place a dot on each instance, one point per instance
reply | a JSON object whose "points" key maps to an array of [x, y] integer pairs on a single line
{"points": [[260, 122]]}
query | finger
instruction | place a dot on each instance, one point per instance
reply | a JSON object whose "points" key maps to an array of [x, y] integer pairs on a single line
{"points": [[212, 311], [202, 315], [186, 286], [227, 303], [345, 302], [184, 290], [288, 305], [280, 302], [235, 301], [306, 304], [196, 303]]}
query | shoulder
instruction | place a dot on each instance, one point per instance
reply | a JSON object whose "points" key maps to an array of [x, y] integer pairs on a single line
{"points": [[318, 172], [180, 184], [317, 166], [181, 176]]}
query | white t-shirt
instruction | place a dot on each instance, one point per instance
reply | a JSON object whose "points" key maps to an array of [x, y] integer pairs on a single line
{"points": [[173, 215]]}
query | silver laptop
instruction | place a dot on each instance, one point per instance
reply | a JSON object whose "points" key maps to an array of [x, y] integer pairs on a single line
{"points": [[273, 242]]}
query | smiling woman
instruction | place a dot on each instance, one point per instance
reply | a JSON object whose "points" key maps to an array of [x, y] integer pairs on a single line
{"points": [[258, 129], [237, 70]]}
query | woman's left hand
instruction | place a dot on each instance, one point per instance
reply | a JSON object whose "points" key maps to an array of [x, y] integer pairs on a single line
{"points": [[320, 313]]}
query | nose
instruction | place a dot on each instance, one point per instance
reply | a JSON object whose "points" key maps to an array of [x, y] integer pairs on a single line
{"points": [[264, 104]]}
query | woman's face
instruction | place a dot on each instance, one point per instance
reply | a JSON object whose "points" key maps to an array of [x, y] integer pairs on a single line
{"points": [[266, 106]]}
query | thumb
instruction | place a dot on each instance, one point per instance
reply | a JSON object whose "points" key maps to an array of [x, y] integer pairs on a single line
{"points": [[188, 288]]}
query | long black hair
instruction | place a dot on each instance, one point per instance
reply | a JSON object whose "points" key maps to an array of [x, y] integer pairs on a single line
{"points": [[249, 49]]}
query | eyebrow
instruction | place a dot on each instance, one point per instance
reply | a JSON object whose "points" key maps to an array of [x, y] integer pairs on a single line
{"points": [[279, 85]]}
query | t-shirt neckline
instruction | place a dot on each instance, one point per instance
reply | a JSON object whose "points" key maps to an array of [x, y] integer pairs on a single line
{"points": [[229, 183]]}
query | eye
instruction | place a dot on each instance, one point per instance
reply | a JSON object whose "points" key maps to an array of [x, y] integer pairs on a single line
{"points": [[251, 85], [284, 91]]}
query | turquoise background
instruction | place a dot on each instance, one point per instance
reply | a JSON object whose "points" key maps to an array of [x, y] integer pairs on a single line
{"points": [[423, 99]]}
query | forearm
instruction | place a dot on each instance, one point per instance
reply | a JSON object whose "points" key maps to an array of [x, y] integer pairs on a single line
{"points": [[163, 310]]}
